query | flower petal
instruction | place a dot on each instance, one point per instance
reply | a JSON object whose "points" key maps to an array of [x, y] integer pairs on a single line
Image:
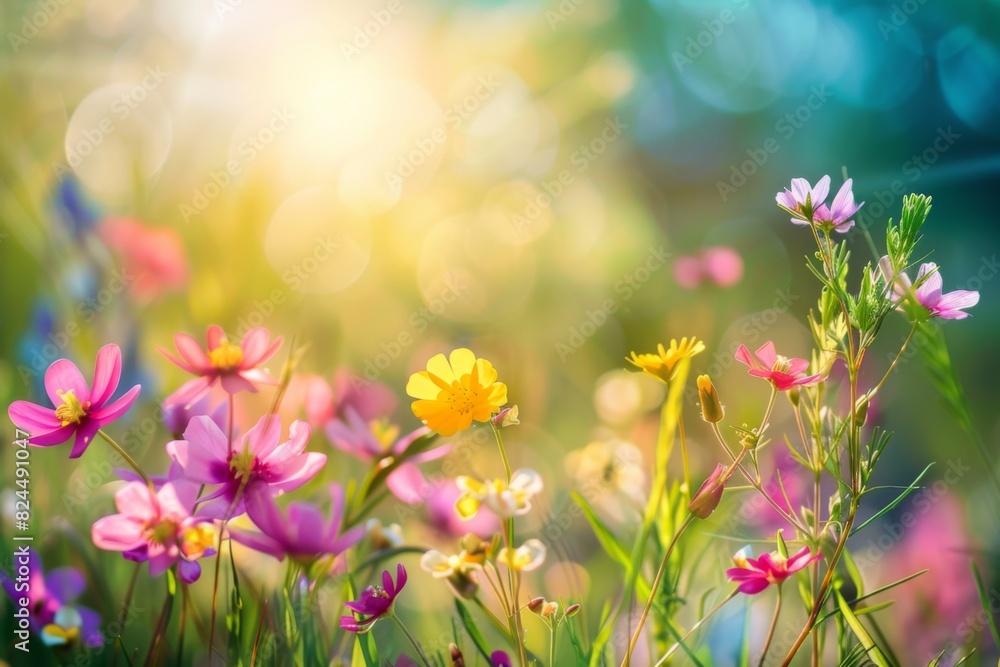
{"points": [[107, 372], [63, 375]]}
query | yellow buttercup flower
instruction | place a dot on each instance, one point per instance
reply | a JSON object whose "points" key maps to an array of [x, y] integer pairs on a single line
{"points": [[455, 391], [661, 364]]}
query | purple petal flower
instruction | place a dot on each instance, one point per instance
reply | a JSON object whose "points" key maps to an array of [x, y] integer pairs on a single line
{"points": [[950, 306], [802, 199], [840, 213], [375, 602]]}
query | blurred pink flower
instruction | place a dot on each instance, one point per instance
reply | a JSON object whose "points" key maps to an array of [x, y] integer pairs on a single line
{"points": [[157, 527], [950, 306], [369, 399], [256, 463], [755, 574], [80, 410], [375, 440], [375, 602], [310, 394], [720, 265], [301, 532], [177, 416], [153, 255], [783, 372], [441, 514], [236, 367]]}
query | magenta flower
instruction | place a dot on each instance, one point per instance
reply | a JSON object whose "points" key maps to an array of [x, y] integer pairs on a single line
{"points": [[375, 440], [782, 372], [839, 214], [441, 514], [375, 602], [235, 367], [755, 574], [500, 659], [256, 463], [79, 409], [301, 532], [50, 602], [157, 527], [950, 306], [803, 200]]}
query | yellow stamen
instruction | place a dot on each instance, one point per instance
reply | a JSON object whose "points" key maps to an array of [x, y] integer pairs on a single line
{"points": [[227, 356], [242, 464], [161, 532], [72, 410], [781, 364], [197, 540]]}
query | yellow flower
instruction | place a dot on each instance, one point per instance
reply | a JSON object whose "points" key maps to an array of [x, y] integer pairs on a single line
{"points": [[504, 500], [525, 558], [661, 365], [455, 391]]}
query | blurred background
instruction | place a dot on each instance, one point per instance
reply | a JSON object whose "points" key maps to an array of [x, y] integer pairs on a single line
{"points": [[553, 184]]}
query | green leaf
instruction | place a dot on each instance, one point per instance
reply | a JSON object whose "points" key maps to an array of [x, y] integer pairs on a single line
{"points": [[873, 593], [473, 629], [604, 535], [986, 603], [902, 496], [782, 547], [365, 651], [873, 651]]}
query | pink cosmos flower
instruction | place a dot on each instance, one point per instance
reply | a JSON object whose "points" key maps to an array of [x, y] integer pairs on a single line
{"points": [[256, 462], [840, 213], [79, 409], [376, 440], [153, 255], [950, 306], [720, 265], [782, 372], [802, 200], [50, 603], [157, 527], [301, 532], [236, 367], [755, 574], [375, 602]]}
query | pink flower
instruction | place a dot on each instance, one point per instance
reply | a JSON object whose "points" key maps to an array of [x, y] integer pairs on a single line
{"points": [[375, 602], [154, 256], [719, 265], [756, 574], [80, 410], [177, 416], [950, 306], [840, 213], [370, 399], [236, 367], [301, 532], [157, 527], [256, 462], [783, 372], [374, 441], [442, 516], [802, 200]]}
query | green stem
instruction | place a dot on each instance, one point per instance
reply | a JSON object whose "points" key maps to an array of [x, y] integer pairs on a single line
{"points": [[410, 638], [696, 626], [552, 644], [128, 459], [770, 631]]}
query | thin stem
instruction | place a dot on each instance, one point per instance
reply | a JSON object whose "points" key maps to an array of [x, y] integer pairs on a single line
{"points": [[123, 614], [696, 626], [410, 638], [895, 361], [181, 623], [684, 454], [128, 459], [770, 631], [503, 451], [552, 644], [656, 583], [497, 623], [161, 626]]}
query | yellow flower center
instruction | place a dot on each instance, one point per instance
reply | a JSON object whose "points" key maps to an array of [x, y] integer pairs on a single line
{"points": [[58, 635], [242, 464], [72, 410], [161, 532], [197, 540], [781, 365], [226, 357], [379, 592], [462, 399]]}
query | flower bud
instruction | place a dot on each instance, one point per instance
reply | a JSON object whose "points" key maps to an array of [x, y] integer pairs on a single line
{"points": [[457, 659], [709, 495], [536, 604], [506, 417], [549, 609], [794, 394], [711, 408], [572, 610]]}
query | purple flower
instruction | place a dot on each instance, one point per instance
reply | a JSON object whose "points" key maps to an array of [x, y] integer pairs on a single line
{"points": [[500, 659], [50, 598], [373, 441], [256, 463], [803, 199], [950, 306], [177, 415], [375, 602], [840, 213], [79, 409], [301, 532]]}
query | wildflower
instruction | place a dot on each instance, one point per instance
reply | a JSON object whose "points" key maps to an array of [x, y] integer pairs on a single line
{"points": [[377, 440], [256, 465], [459, 569], [235, 367], [502, 499], [375, 602], [383, 537], [525, 558], [80, 410], [711, 408], [301, 532], [500, 659], [721, 266], [154, 255], [950, 306], [454, 392], [756, 574], [782, 372], [157, 527], [709, 495], [661, 365], [50, 603], [838, 216], [441, 514], [803, 200], [611, 472]]}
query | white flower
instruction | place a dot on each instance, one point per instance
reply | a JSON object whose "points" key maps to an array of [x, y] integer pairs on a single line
{"points": [[502, 499], [525, 558]]}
